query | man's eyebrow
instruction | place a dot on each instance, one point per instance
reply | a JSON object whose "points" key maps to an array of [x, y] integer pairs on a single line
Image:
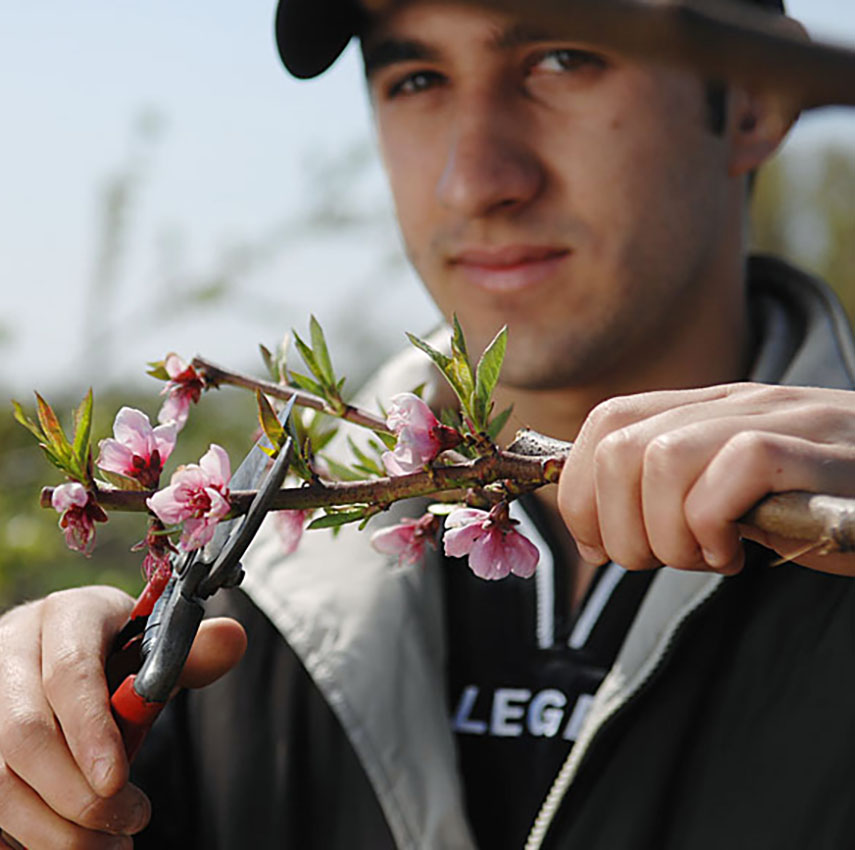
{"points": [[519, 35], [390, 51]]}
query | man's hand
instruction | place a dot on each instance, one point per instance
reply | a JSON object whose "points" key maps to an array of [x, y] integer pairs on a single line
{"points": [[663, 477], [63, 769]]}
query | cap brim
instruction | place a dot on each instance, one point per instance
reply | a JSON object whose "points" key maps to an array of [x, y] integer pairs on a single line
{"points": [[311, 34]]}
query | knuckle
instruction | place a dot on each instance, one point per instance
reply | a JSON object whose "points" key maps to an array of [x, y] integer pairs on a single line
{"points": [[70, 667], [665, 452], [751, 449], [612, 413], [616, 450], [25, 734], [826, 420]]}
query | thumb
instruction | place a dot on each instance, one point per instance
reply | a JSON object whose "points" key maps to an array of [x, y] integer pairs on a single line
{"points": [[219, 645]]}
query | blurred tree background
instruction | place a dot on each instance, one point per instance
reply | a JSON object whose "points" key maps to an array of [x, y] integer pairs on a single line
{"points": [[803, 208]]}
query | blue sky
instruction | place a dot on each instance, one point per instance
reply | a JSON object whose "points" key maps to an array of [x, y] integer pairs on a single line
{"points": [[231, 163]]}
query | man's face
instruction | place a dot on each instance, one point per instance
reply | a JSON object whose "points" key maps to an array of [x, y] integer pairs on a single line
{"points": [[576, 196]]}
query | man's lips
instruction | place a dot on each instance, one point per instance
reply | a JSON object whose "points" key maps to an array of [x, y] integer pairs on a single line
{"points": [[509, 268]]}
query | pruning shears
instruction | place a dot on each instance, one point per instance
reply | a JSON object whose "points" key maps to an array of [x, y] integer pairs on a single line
{"points": [[166, 616]]}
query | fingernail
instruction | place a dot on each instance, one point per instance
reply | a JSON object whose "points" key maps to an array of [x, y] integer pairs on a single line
{"points": [[139, 816], [591, 554], [714, 559]]}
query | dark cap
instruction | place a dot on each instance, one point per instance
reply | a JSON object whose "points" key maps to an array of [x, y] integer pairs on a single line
{"points": [[311, 34]]}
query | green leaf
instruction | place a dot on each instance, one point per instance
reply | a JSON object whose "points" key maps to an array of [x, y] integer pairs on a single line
{"points": [[51, 428], [309, 359], [458, 341], [83, 430], [450, 368], [267, 357], [337, 519], [122, 482], [366, 461], [450, 417], [499, 421], [158, 370], [388, 440], [441, 360], [307, 384], [342, 472], [25, 420], [321, 352], [487, 375], [299, 464], [321, 439], [59, 461], [269, 420]]}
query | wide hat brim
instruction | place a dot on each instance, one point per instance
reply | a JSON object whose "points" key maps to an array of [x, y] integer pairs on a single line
{"points": [[746, 42]]}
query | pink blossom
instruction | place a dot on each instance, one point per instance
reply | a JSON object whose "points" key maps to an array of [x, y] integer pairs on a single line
{"points": [[158, 549], [407, 539], [137, 450], [495, 548], [421, 437], [289, 526], [79, 512], [185, 386], [197, 496]]}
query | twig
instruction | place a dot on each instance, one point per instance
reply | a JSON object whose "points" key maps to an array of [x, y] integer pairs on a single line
{"points": [[216, 375]]}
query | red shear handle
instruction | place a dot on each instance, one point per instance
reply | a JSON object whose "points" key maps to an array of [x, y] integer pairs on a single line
{"points": [[134, 715]]}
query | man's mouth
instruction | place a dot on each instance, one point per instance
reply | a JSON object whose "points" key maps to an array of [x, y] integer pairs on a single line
{"points": [[508, 269]]}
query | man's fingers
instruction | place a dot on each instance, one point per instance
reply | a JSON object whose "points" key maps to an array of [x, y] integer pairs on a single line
{"points": [[219, 645], [37, 765], [33, 824], [76, 638], [749, 466]]}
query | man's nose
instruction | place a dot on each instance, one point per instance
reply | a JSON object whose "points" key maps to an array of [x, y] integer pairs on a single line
{"points": [[491, 164]]}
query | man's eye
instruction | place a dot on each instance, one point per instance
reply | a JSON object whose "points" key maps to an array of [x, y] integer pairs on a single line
{"points": [[415, 82], [564, 59]]}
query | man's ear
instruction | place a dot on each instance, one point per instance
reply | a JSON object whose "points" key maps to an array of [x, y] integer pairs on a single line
{"points": [[759, 121], [757, 124]]}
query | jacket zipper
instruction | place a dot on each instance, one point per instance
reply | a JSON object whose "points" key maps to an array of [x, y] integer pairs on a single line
{"points": [[571, 766]]}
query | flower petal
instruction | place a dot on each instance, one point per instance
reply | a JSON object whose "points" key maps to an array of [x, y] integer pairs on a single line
{"points": [[458, 542], [464, 516], [197, 532], [165, 437], [215, 463], [489, 558], [174, 365], [407, 409], [289, 526], [114, 456], [68, 495], [522, 554], [176, 408], [132, 428], [169, 509]]}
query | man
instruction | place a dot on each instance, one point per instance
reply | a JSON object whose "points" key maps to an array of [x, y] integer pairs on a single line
{"points": [[596, 205]]}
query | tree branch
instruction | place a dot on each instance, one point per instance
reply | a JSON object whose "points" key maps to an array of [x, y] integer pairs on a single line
{"points": [[215, 375]]}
